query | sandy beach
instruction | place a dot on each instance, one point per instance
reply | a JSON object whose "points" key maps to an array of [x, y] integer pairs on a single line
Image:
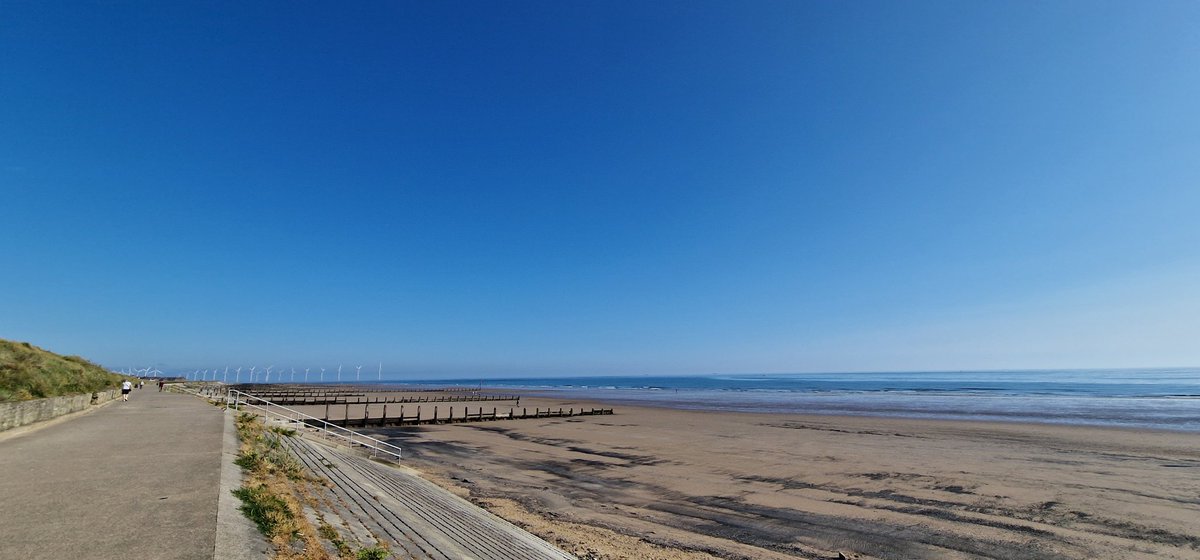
{"points": [[658, 483]]}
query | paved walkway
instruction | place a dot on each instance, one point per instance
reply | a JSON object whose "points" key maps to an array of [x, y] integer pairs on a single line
{"points": [[132, 480]]}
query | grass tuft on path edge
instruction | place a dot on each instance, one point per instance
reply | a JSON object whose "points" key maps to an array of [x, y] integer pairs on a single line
{"points": [[276, 487]]}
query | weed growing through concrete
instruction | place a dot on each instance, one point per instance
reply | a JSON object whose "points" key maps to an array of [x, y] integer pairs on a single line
{"points": [[266, 509], [373, 553], [286, 432], [330, 534]]}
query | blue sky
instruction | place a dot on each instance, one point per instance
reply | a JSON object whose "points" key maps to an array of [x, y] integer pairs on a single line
{"points": [[481, 188]]}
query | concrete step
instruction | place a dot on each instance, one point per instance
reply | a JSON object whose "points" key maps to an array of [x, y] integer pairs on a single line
{"points": [[417, 515]]}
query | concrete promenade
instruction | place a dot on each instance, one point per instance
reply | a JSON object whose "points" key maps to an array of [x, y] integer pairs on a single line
{"points": [[132, 480]]}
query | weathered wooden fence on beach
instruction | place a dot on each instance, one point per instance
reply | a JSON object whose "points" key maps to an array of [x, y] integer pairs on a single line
{"points": [[290, 398], [344, 389], [465, 416]]}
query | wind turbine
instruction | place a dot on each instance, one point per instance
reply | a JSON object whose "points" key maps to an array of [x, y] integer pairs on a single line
{"points": [[306, 374], [339, 373], [379, 377], [252, 368], [225, 378], [293, 375], [358, 373], [322, 379], [238, 376], [268, 378]]}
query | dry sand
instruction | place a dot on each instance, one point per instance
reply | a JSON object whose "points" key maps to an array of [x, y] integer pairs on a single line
{"points": [[651, 483]]}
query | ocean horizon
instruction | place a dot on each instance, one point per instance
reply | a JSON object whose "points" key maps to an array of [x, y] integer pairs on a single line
{"points": [[1155, 398]]}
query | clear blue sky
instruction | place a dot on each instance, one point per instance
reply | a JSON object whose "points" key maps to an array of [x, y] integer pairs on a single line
{"points": [[496, 188]]}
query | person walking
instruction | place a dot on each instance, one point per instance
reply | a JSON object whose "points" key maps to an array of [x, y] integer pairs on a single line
{"points": [[126, 386]]}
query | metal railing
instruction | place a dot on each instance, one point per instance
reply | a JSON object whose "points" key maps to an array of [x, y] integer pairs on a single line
{"points": [[237, 400]]}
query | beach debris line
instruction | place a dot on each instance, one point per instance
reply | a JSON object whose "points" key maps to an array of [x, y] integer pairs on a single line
{"points": [[364, 419]]}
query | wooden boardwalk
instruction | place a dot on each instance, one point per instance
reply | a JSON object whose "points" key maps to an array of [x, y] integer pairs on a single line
{"points": [[417, 518]]}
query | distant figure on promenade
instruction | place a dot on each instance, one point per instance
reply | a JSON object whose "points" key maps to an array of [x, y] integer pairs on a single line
{"points": [[141, 383], [126, 386], [160, 385]]}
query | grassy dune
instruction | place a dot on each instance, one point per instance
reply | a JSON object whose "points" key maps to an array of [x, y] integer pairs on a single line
{"points": [[28, 372]]}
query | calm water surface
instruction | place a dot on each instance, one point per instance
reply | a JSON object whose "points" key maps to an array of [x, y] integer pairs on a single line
{"points": [[1146, 398]]}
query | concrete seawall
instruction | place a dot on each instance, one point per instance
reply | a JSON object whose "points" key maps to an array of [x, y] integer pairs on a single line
{"points": [[24, 413]]}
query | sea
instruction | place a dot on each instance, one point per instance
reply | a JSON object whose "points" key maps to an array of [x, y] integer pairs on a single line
{"points": [[1167, 398]]}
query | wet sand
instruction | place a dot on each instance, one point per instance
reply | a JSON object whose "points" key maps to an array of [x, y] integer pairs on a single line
{"points": [[655, 483]]}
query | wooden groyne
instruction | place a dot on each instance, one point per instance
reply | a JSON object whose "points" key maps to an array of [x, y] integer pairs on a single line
{"points": [[310, 398], [465, 415], [344, 389]]}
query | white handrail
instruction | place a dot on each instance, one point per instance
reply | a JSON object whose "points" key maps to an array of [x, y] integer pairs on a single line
{"points": [[240, 398]]}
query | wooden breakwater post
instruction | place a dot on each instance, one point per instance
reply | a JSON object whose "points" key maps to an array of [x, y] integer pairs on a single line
{"points": [[366, 420]]}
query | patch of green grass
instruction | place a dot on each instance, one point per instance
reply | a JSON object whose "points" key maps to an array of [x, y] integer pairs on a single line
{"points": [[263, 453], [286, 432], [28, 372], [374, 553], [262, 506], [249, 460]]}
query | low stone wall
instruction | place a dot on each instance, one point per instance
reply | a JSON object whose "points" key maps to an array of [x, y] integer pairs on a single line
{"points": [[17, 414]]}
